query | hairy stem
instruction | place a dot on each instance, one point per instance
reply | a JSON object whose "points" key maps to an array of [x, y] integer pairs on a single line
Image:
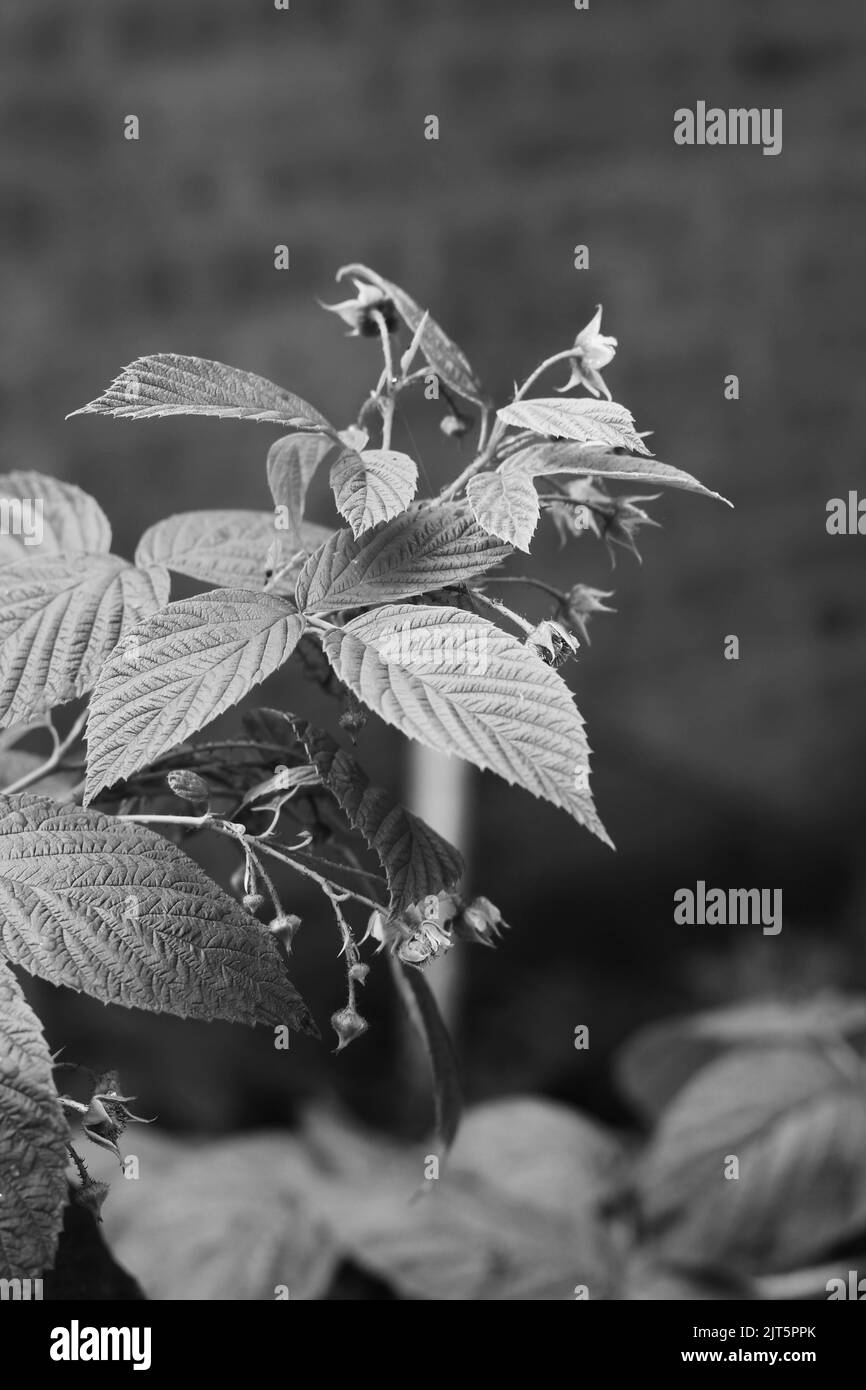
{"points": [[501, 608]]}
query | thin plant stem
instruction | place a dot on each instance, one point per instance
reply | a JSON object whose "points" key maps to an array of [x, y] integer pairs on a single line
{"points": [[61, 746], [526, 579], [501, 608], [387, 398]]}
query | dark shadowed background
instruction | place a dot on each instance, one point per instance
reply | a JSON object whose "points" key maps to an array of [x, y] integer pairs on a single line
{"points": [[306, 128]]}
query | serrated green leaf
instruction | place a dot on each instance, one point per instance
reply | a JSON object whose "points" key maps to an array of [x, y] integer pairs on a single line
{"points": [[597, 422], [461, 685], [795, 1119], [417, 861], [59, 621], [228, 548], [505, 504], [33, 1139], [68, 518], [109, 908], [428, 547], [169, 384], [292, 462], [177, 671], [598, 461], [373, 486], [447, 360]]}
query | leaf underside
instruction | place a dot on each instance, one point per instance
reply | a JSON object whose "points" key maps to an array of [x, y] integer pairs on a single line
{"points": [[597, 461], [417, 861], [505, 504], [291, 465]]}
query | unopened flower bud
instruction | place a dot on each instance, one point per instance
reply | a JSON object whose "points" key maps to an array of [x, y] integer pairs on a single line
{"points": [[253, 902], [480, 921], [189, 785], [454, 425], [353, 718], [285, 926], [348, 1025]]}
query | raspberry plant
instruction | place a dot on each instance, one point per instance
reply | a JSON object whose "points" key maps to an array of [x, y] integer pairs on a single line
{"points": [[398, 612]]}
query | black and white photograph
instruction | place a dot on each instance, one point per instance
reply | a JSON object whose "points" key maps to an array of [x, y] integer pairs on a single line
{"points": [[432, 664]]}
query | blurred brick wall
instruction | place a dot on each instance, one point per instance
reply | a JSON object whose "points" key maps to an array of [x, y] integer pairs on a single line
{"points": [[305, 127], [259, 127]]}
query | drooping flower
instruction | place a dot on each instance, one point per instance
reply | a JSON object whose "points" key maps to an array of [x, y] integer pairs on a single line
{"points": [[592, 351], [553, 642], [358, 312], [624, 523], [107, 1115], [479, 921], [420, 932], [586, 506], [587, 503], [581, 602]]}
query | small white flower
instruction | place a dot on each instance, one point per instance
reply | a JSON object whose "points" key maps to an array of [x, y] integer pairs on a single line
{"points": [[592, 351], [358, 312]]}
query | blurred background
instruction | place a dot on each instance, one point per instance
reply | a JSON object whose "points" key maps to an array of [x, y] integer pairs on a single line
{"points": [[306, 127]]}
